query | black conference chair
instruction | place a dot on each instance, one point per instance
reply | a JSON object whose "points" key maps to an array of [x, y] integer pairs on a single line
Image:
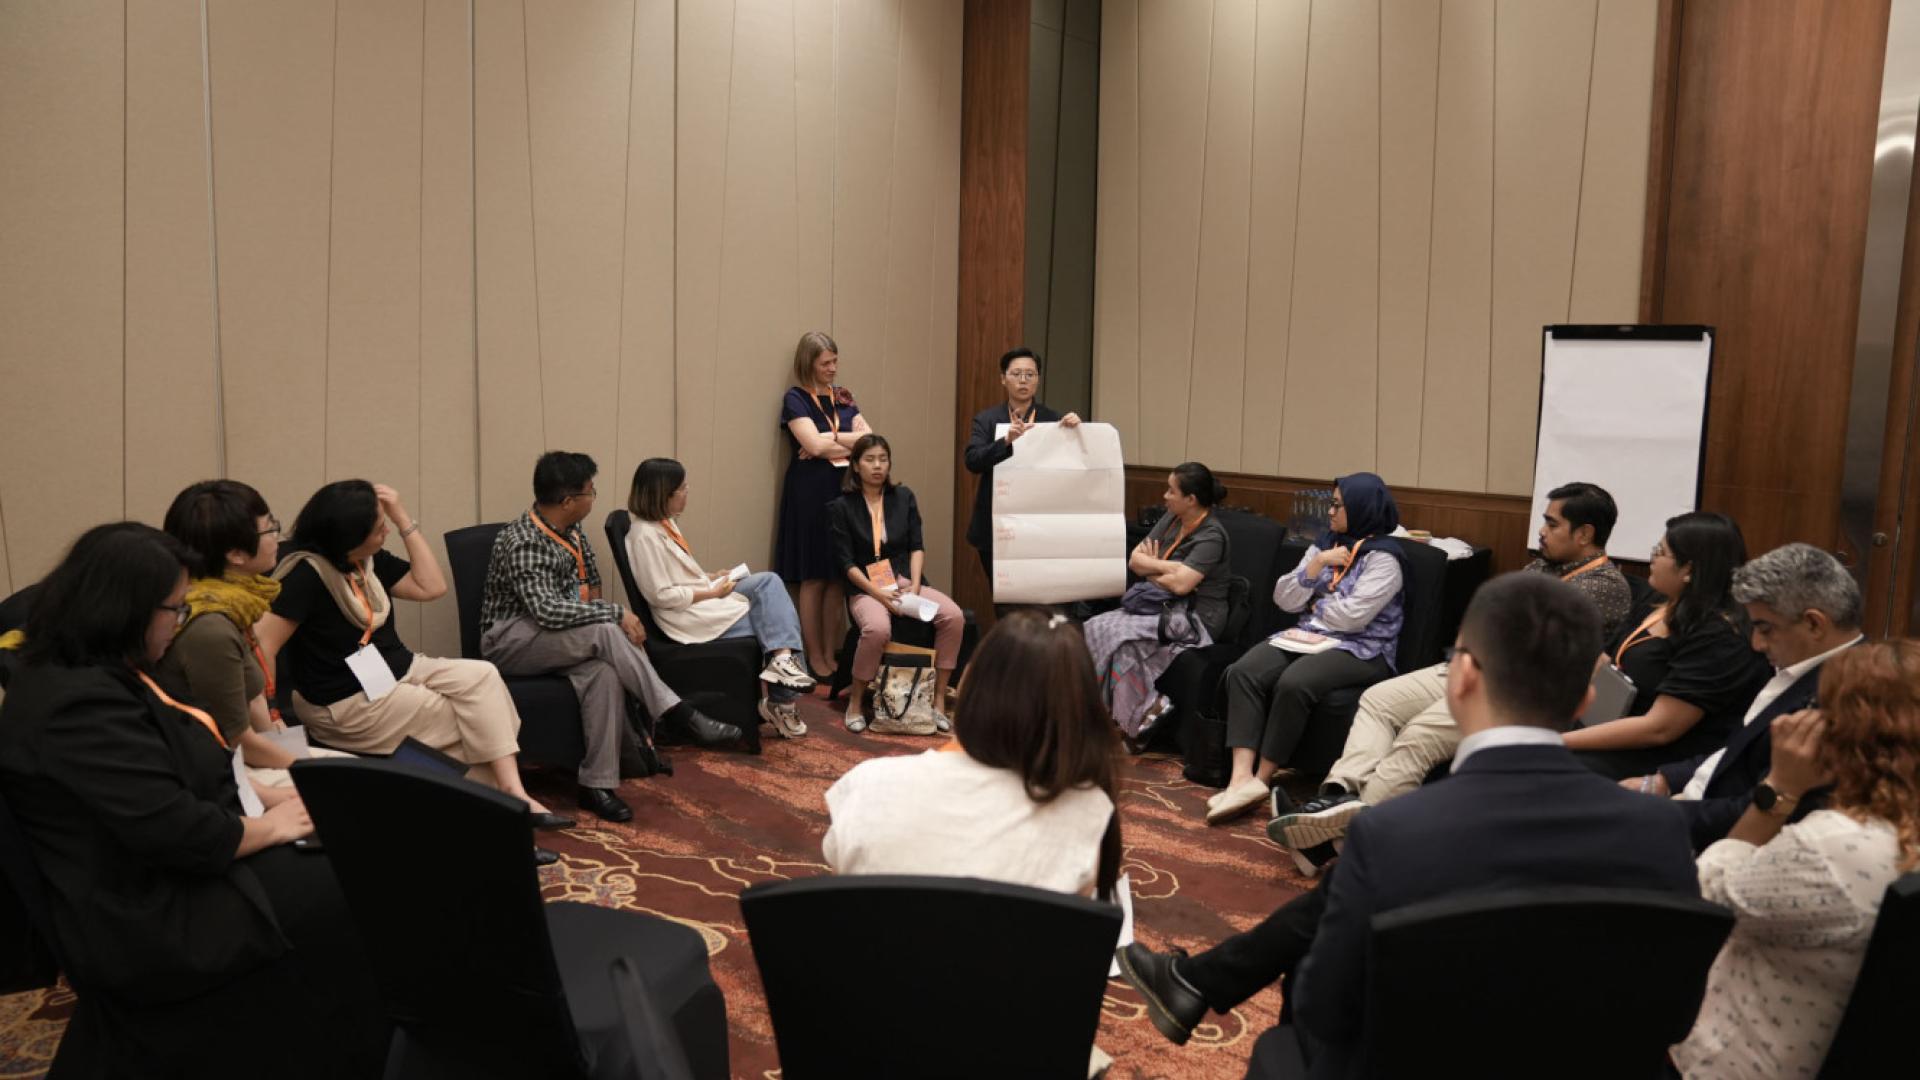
{"points": [[550, 732], [27, 961], [1886, 996], [930, 976], [651, 1042], [1537, 982], [719, 678], [479, 976]]}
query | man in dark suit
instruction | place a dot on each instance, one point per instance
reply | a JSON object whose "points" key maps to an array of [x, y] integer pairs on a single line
{"points": [[1805, 609], [1517, 811], [1020, 375]]}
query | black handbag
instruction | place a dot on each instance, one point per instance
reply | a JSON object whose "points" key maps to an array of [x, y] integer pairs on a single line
{"points": [[1178, 626]]}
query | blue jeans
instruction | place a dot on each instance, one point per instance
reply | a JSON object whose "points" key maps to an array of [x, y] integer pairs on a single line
{"points": [[770, 618]]}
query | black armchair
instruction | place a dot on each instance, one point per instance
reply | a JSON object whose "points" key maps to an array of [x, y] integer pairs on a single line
{"points": [[1886, 996]]}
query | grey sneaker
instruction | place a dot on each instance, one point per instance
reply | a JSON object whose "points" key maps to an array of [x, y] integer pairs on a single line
{"points": [[1318, 821], [786, 671], [784, 717], [856, 723]]}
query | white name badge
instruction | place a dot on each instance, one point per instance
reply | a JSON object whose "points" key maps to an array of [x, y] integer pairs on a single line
{"points": [[368, 666]]}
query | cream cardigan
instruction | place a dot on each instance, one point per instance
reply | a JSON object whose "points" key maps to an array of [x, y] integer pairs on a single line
{"points": [[668, 578]]}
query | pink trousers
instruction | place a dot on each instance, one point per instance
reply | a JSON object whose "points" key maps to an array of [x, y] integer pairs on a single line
{"points": [[876, 629]]}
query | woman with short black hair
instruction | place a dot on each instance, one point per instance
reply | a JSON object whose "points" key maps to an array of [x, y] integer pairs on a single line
{"points": [[174, 916], [356, 686]]}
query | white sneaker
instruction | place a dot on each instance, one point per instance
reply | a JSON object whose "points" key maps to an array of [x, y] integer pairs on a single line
{"points": [[786, 671], [784, 717], [856, 723]]}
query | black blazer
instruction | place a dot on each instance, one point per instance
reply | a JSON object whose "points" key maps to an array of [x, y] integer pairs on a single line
{"points": [[129, 809], [1748, 758], [853, 531], [983, 453], [1511, 817]]}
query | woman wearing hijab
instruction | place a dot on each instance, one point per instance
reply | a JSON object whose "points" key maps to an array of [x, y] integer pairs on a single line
{"points": [[1349, 586]]}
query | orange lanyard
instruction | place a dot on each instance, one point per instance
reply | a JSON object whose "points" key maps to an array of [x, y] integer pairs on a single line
{"points": [[1640, 633], [197, 714], [259, 654], [675, 535], [1588, 568], [832, 411], [579, 560], [877, 511], [1181, 536], [360, 595], [1353, 560]]}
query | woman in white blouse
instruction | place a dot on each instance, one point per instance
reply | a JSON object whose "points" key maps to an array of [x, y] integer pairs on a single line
{"points": [[693, 606], [1025, 792], [1805, 895]]}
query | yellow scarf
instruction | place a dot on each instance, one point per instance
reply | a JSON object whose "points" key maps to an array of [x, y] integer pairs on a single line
{"points": [[240, 597], [13, 639]]}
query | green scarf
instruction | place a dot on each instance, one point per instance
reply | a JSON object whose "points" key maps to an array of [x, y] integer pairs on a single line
{"points": [[240, 597]]}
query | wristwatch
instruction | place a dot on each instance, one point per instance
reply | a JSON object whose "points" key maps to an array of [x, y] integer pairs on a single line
{"points": [[1772, 800]]}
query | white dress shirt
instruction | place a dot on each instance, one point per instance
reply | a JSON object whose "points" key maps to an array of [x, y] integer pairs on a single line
{"points": [[1783, 679], [1504, 735]]}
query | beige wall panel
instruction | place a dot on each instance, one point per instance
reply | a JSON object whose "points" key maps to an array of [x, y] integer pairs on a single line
{"points": [[512, 383], [1327, 427], [925, 446], [1613, 190], [943, 293], [868, 66], [702, 141], [1279, 109], [273, 102], [579, 60], [1453, 440], [646, 422], [758, 297], [449, 454], [1175, 54], [815, 119], [1542, 57], [1216, 376], [173, 404], [61, 95], [6, 563], [1116, 279], [373, 323], [1409, 69]]}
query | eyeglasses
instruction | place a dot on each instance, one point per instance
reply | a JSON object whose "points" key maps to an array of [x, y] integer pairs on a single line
{"points": [[1023, 376], [587, 494], [1336, 505], [180, 613], [273, 526], [1452, 651]]}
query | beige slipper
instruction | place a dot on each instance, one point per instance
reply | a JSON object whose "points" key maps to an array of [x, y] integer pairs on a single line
{"points": [[1236, 801]]}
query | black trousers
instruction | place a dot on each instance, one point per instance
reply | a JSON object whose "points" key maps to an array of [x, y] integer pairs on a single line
{"points": [[1271, 694], [1250, 961]]}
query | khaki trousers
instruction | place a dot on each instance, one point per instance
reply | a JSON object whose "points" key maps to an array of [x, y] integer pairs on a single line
{"points": [[1403, 729], [458, 707]]}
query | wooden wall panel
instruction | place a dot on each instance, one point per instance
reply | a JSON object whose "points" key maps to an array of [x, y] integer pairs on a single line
{"points": [[1175, 67], [1542, 65], [1219, 343], [373, 310], [1116, 285], [173, 426], [1279, 111], [1776, 109], [1409, 88], [1453, 448], [509, 349], [61, 272], [1332, 374], [273, 112], [1613, 191], [448, 430]]}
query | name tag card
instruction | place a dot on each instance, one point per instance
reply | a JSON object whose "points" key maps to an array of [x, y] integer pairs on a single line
{"points": [[370, 668], [881, 574]]}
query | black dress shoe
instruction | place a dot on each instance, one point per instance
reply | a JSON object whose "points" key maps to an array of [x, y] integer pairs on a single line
{"points": [[549, 820], [543, 857], [1172, 1005], [707, 731], [605, 804]]}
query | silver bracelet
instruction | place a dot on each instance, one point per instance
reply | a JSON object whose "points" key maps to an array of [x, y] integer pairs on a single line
{"points": [[410, 530]]}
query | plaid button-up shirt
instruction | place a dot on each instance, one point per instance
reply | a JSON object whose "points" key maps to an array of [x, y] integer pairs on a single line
{"points": [[530, 574]]}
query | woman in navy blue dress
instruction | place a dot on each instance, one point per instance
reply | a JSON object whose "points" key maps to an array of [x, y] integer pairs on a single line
{"points": [[822, 425]]}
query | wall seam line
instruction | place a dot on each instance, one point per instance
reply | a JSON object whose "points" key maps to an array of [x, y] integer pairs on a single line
{"points": [[1200, 229], [1293, 256], [1433, 202], [326, 339], [1580, 187], [626, 212], [125, 163], [213, 246], [533, 227]]}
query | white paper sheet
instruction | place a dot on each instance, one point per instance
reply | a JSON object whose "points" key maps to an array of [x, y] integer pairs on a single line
{"points": [[293, 740], [370, 668], [250, 803], [1122, 892], [919, 607], [1059, 524]]}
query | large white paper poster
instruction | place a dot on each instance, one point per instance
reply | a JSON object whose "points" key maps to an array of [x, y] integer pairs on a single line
{"points": [[1059, 519]]}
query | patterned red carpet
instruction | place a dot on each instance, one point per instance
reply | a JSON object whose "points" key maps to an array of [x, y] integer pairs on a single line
{"points": [[726, 821]]}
